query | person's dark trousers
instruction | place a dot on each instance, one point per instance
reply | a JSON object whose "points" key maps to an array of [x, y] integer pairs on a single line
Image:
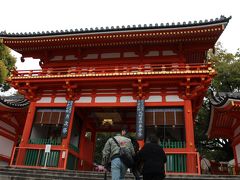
{"points": [[153, 176]]}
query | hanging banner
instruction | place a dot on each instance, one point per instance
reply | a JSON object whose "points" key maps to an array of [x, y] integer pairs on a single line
{"points": [[67, 118], [140, 122]]}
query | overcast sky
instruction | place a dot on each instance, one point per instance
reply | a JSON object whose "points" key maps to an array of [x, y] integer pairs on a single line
{"points": [[46, 15]]}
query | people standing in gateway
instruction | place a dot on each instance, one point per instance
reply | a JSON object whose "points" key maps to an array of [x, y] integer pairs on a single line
{"points": [[153, 158], [111, 154]]}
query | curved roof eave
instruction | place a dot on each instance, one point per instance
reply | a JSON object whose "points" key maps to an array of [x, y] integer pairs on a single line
{"points": [[218, 21], [222, 104], [14, 102], [220, 99], [210, 122]]}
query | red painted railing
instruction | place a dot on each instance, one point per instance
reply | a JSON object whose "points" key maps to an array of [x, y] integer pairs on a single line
{"points": [[30, 157], [117, 70], [191, 163]]}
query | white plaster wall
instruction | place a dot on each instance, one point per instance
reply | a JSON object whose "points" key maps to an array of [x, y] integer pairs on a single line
{"points": [[110, 55], [60, 100], [7, 127], [71, 57], [154, 99], [84, 100], [127, 99], [153, 53], [57, 58], [6, 146], [168, 53], [173, 98], [45, 100], [91, 56], [130, 54], [237, 148], [106, 99]]}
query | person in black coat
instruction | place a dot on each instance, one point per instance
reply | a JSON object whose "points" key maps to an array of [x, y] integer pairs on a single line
{"points": [[153, 158]]}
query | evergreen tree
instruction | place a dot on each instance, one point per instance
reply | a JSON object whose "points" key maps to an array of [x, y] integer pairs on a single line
{"points": [[227, 79], [7, 63]]}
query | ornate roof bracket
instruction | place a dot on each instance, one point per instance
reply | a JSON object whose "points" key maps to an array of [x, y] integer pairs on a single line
{"points": [[193, 88], [140, 89], [70, 91]]}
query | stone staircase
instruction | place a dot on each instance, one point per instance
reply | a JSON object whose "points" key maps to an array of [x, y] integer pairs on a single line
{"points": [[7, 173]]}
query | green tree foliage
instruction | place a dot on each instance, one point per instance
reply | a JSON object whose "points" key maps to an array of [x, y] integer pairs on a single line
{"points": [[227, 79], [228, 69], [7, 63], [214, 149]]}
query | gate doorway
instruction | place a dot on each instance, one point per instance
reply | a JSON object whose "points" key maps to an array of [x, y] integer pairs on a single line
{"points": [[97, 125]]}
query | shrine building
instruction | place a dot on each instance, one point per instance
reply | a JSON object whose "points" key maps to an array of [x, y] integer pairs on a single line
{"points": [[150, 78], [13, 112], [225, 121]]}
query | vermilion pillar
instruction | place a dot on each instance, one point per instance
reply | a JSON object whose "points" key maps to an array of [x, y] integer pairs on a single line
{"points": [[82, 143], [235, 143], [28, 124], [190, 144], [87, 146], [26, 133]]}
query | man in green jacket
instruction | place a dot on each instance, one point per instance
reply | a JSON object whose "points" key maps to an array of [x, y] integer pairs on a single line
{"points": [[111, 154]]}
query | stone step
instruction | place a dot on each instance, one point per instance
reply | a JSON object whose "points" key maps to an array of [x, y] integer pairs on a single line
{"points": [[11, 177], [49, 175], [65, 172], [7, 173], [3, 177]]}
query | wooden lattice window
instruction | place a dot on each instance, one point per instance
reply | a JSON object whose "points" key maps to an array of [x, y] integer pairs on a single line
{"points": [[49, 116], [164, 116]]}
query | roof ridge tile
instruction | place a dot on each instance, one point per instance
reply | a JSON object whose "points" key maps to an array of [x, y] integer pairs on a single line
{"points": [[118, 28]]}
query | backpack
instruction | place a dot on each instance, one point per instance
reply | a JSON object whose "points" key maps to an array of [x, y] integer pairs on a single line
{"points": [[125, 155]]}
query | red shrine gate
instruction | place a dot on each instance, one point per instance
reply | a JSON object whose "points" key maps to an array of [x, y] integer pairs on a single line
{"points": [[99, 75]]}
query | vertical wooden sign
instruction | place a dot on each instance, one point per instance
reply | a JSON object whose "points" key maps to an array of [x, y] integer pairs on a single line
{"points": [[67, 118], [140, 122]]}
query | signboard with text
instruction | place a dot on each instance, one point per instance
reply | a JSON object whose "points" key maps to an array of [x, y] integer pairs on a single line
{"points": [[140, 122], [67, 118], [48, 148]]}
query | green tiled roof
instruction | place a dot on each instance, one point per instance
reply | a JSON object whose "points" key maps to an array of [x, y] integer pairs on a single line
{"points": [[173, 25], [16, 101]]}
